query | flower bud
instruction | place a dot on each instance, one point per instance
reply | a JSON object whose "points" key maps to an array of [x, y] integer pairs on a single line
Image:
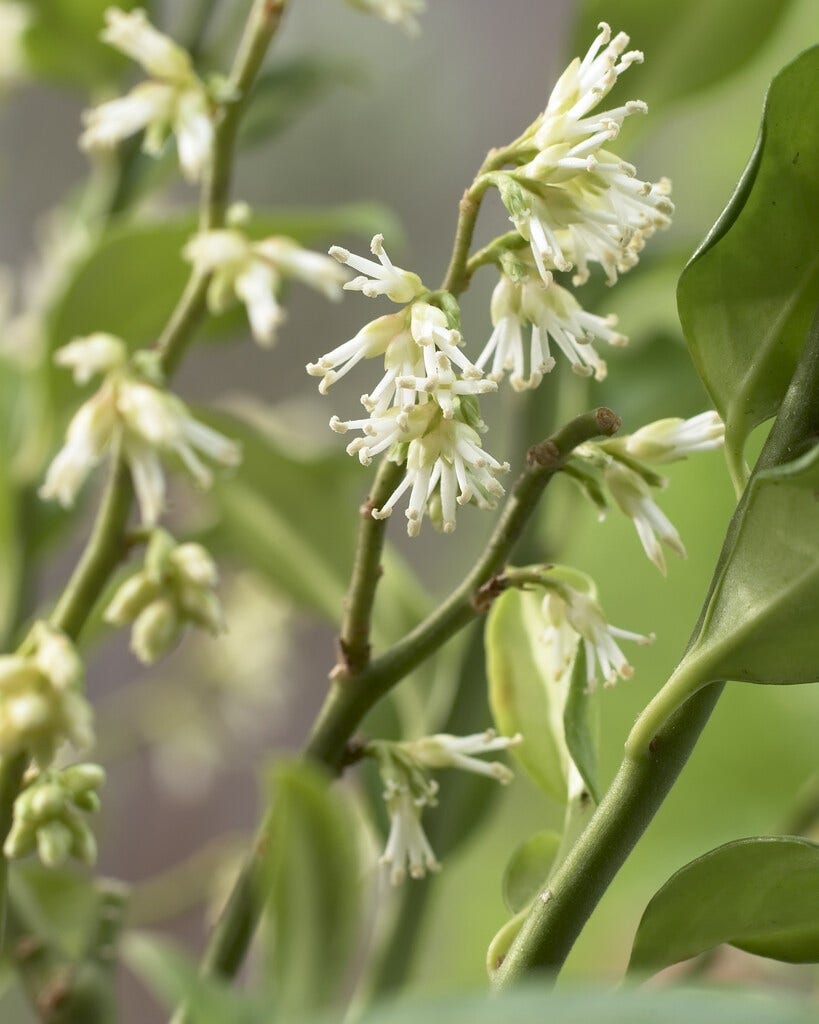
{"points": [[131, 597], [54, 844], [195, 563], [155, 631]]}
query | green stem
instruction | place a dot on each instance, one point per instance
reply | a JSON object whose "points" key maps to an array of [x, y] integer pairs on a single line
{"points": [[261, 26], [12, 770], [650, 768], [456, 278], [354, 639], [638, 789], [351, 697], [101, 556]]}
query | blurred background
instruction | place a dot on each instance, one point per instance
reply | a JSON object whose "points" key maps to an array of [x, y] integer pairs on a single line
{"points": [[405, 124]]}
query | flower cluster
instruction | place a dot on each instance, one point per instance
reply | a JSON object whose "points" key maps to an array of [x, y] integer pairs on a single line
{"points": [[48, 819], [620, 467], [173, 100], [573, 614], [409, 788], [526, 302], [253, 272], [423, 411], [175, 586], [130, 411], [41, 700], [572, 199]]}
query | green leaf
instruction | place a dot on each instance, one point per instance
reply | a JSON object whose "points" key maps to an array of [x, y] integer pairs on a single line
{"points": [[524, 694], [283, 92], [129, 283], [313, 885], [760, 894], [702, 43], [58, 903], [748, 294], [581, 724], [759, 624], [528, 869], [273, 515], [63, 45], [531, 1003]]}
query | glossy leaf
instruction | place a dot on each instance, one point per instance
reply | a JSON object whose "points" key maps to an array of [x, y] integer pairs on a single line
{"points": [[759, 624], [63, 45], [524, 694], [286, 90], [535, 1003], [314, 881], [131, 280], [528, 869], [760, 894], [695, 47], [748, 294], [272, 515]]}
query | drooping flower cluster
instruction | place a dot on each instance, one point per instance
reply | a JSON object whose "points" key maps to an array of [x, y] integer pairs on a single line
{"points": [[621, 467], [41, 700], [174, 587], [129, 410], [252, 272], [572, 199], [397, 12], [522, 302], [573, 614], [423, 411], [48, 818], [173, 100], [409, 788]]}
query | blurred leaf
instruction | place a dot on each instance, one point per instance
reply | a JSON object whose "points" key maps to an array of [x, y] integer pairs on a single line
{"points": [[283, 92], [761, 895], [689, 50], [502, 941], [58, 903], [63, 44], [530, 1003], [581, 724], [528, 868], [524, 694], [314, 887], [759, 624], [132, 279], [175, 980], [747, 296], [273, 515]]}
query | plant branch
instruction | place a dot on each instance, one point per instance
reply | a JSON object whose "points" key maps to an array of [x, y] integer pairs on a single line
{"points": [[354, 639], [352, 696]]}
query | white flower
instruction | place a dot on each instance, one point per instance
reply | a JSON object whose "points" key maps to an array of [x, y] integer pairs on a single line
{"points": [[446, 751], [380, 278], [672, 439], [407, 844], [553, 313], [253, 272], [418, 347], [91, 356], [632, 495], [150, 422], [447, 463], [396, 12], [15, 19], [172, 100], [574, 201], [570, 613]]}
